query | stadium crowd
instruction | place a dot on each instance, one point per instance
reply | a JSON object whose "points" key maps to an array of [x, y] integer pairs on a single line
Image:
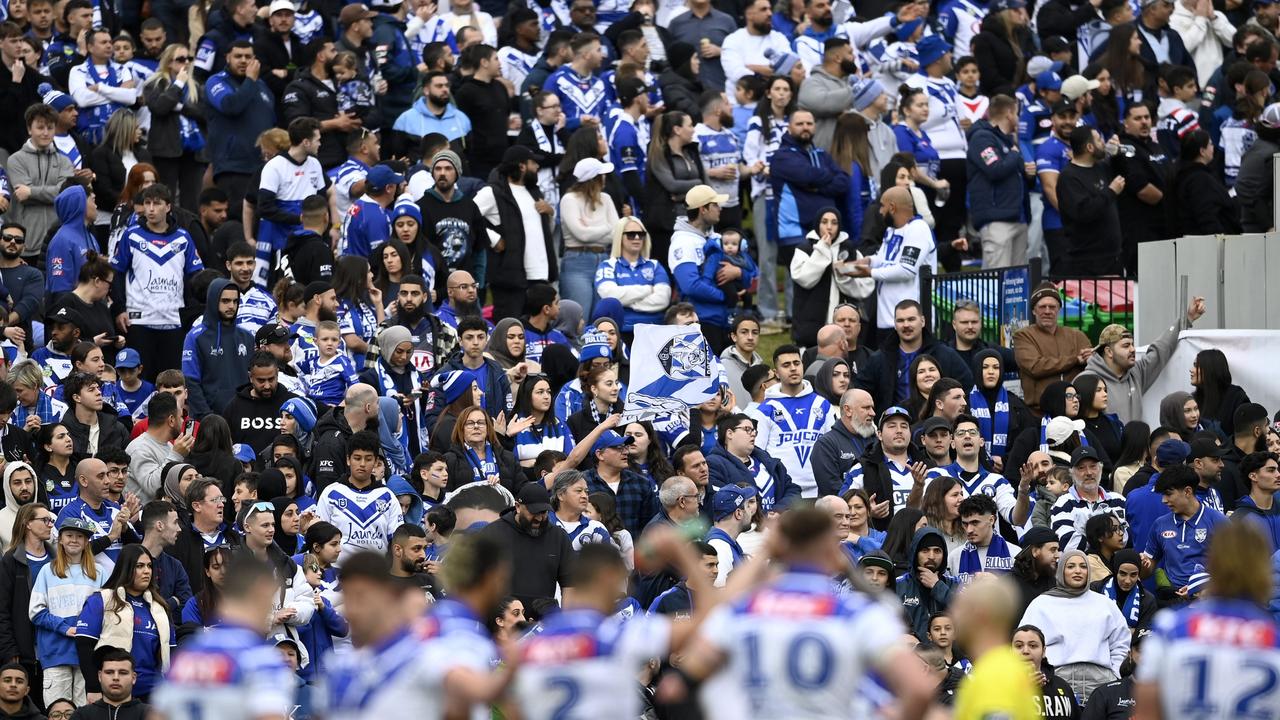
{"points": [[318, 322]]}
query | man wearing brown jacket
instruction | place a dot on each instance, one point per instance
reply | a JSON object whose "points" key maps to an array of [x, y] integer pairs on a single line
{"points": [[1046, 351]]}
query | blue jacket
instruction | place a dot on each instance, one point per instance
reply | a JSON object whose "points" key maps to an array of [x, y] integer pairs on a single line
{"points": [[686, 258], [1268, 521], [400, 68], [805, 179], [215, 356], [726, 469], [240, 110], [417, 510], [419, 121], [1142, 508], [919, 602], [172, 582], [714, 254], [72, 242], [497, 388], [996, 181], [318, 635], [59, 601]]}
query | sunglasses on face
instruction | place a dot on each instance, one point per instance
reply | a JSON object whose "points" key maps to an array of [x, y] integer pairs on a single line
{"points": [[181, 60], [19, 239], [634, 234]]}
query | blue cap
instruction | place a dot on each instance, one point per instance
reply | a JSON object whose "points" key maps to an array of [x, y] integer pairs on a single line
{"points": [[1172, 452], [303, 411], [243, 453], [728, 499], [452, 384], [610, 439], [907, 29], [930, 49], [1049, 80], [895, 411], [128, 358], [595, 344], [76, 522], [406, 207], [381, 176]]}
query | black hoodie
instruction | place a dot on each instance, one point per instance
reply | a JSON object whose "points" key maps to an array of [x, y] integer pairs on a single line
{"points": [[132, 710], [255, 421], [537, 563], [29, 711], [307, 258]]}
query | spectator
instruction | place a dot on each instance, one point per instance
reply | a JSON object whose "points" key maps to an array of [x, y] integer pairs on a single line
{"points": [[1085, 499], [242, 108], [686, 259], [1144, 174], [254, 412], [1088, 202], [1199, 203], [1254, 184], [29, 550], [1086, 636], [629, 275], [116, 677], [278, 48], [92, 428], [475, 455], [1001, 416], [393, 61], [18, 88], [25, 285], [792, 416], [1204, 31], [758, 48], [165, 441], [583, 96], [674, 168], [827, 92], [36, 174], [703, 22], [882, 375], [908, 246], [838, 451], [636, 501], [737, 459], [235, 23], [745, 334], [765, 129], [359, 488], [542, 553], [486, 101], [1052, 156], [216, 353], [1047, 352], [985, 550], [310, 95], [176, 138], [1001, 46], [803, 178], [516, 214], [997, 178], [926, 587], [587, 221], [59, 591], [434, 112], [160, 522], [100, 86], [1160, 43]]}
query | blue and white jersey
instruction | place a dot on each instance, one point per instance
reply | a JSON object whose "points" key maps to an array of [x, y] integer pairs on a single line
{"points": [[583, 664], [364, 228], [102, 519], [628, 138], [1181, 547], [516, 64], [67, 146], [257, 308], [993, 485], [797, 649], [789, 426], [762, 142], [343, 177], [227, 672], [615, 277], [328, 380], [156, 267], [56, 367], [366, 517], [1237, 135], [943, 125], [535, 341], [533, 441], [290, 183], [583, 531], [135, 402], [899, 474], [359, 319], [720, 148], [579, 96], [1214, 660], [961, 21], [308, 24]]}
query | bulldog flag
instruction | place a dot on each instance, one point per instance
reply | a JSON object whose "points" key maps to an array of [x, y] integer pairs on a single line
{"points": [[672, 369]]}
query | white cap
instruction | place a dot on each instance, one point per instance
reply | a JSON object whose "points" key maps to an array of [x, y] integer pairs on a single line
{"points": [[589, 167], [278, 5]]}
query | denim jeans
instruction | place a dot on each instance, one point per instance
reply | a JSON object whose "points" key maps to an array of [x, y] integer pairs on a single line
{"points": [[767, 256], [578, 278]]}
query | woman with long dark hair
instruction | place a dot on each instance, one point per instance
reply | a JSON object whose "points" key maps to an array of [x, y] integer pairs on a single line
{"points": [[913, 113], [765, 130], [391, 261], [1106, 105], [54, 471], [360, 308], [588, 142], [1002, 47], [202, 609], [1105, 426], [130, 613], [1237, 133], [1123, 57], [1134, 451], [1199, 203], [1180, 412], [674, 168], [603, 508], [851, 149], [923, 372], [941, 505], [600, 391], [1215, 393], [647, 457], [547, 432], [89, 300]]}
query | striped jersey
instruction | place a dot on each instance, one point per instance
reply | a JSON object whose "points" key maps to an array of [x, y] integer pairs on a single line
{"points": [[156, 266], [788, 428], [993, 485], [366, 517], [797, 649], [583, 531], [1216, 659], [1070, 513], [226, 672], [257, 308], [343, 177], [327, 380], [584, 664]]}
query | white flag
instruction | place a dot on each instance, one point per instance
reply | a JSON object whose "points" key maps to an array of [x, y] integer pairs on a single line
{"points": [[672, 369]]}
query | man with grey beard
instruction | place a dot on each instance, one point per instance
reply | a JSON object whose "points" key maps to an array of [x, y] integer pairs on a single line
{"points": [[841, 446]]}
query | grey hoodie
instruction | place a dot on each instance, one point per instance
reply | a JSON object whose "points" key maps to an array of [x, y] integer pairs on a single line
{"points": [[43, 171], [1124, 393]]}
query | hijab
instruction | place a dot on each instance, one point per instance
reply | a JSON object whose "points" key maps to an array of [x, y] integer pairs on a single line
{"points": [[497, 347], [1171, 414], [559, 365], [288, 542], [569, 320], [389, 417], [823, 378], [990, 406], [271, 484], [172, 484], [388, 340], [1061, 589]]}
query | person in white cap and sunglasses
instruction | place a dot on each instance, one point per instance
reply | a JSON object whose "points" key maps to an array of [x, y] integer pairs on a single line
{"points": [[587, 218]]}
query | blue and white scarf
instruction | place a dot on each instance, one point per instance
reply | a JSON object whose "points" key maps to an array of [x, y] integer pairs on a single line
{"points": [[1044, 441], [993, 423], [482, 471], [92, 121], [971, 560], [1131, 608]]}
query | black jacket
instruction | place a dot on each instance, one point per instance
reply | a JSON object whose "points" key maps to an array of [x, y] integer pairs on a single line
{"points": [[28, 711], [17, 633], [1254, 184], [725, 469], [255, 421], [109, 175], [162, 98], [833, 454], [100, 710], [1057, 701], [681, 93], [308, 96], [329, 450], [111, 432], [1113, 701], [188, 550], [1062, 17], [537, 563], [269, 48], [1001, 69], [878, 482], [307, 257], [1201, 204], [880, 375], [461, 472], [506, 262], [13, 96], [487, 105], [665, 204]]}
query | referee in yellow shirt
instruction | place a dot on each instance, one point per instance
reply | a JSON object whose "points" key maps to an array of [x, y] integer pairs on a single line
{"points": [[1000, 686]]}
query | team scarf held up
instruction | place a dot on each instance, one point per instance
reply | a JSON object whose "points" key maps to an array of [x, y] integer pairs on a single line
{"points": [[1132, 607], [993, 423], [971, 560], [482, 471]]}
